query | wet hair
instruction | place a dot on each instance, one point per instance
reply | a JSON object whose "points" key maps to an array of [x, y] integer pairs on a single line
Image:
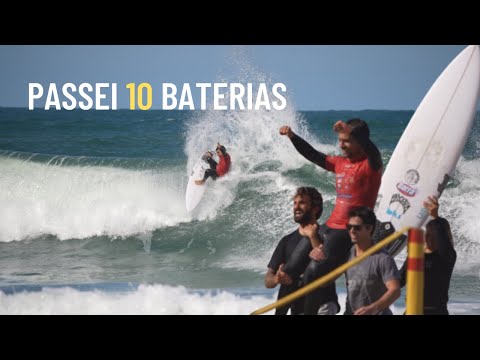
{"points": [[315, 197], [438, 226], [222, 149], [361, 133], [366, 214]]}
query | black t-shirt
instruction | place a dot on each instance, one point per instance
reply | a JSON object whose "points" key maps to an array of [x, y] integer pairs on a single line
{"points": [[284, 250], [280, 256], [438, 272]]}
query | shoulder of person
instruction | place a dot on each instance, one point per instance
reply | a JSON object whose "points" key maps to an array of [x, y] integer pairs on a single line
{"points": [[334, 159], [383, 254], [439, 221], [366, 164], [294, 233]]}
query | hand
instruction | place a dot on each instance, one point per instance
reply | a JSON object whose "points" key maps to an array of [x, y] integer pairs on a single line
{"points": [[341, 126], [317, 253], [282, 277], [432, 206], [287, 130], [309, 230], [366, 310], [208, 154]]}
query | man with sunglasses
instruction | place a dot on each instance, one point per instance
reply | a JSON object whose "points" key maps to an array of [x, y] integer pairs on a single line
{"points": [[358, 176], [374, 284]]}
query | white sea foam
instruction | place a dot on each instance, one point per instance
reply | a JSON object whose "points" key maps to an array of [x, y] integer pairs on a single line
{"points": [[260, 156], [147, 299], [162, 300], [84, 201], [461, 206]]}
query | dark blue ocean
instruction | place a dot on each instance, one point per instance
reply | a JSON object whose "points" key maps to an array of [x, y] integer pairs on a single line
{"points": [[93, 218]]}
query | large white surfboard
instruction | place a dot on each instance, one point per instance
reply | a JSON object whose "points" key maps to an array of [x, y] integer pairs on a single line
{"points": [[195, 192], [428, 151]]}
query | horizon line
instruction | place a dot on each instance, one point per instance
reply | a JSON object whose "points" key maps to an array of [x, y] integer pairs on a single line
{"points": [[138, 110]]}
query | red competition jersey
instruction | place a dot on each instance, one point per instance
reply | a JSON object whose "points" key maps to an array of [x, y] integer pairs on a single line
{"points": [[223, 165], [357, 184]]}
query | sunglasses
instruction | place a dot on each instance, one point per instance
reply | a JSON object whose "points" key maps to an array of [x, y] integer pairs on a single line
{"points": [[354, 227]]}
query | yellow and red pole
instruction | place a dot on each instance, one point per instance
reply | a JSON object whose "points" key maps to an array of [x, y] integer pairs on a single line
{"points": [[415, 267]]}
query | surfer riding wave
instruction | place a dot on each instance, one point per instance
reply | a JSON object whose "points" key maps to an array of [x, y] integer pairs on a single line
{"points": [[216, 169]]}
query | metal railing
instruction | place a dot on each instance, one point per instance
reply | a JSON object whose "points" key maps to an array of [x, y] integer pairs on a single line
{"points": [[331, 275]]}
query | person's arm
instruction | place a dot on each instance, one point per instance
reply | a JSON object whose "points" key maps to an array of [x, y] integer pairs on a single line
{"points": [[317, 253], [273, 278], [308, 152], [392, 294], [304, 148], [275, 264], [282, 277], [311, 232], [440, 228]]}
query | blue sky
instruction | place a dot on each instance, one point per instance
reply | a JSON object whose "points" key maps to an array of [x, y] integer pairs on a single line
{"points": [[318, 77]]}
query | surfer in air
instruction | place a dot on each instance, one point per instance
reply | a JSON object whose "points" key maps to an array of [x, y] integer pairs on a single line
{"points": [[216, 169]]}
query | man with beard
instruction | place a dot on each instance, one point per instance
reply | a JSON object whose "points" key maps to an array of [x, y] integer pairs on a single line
{"points": [[307, 209]]}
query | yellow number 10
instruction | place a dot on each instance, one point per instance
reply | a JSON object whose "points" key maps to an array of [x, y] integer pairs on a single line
{"points": [[139, 91]]}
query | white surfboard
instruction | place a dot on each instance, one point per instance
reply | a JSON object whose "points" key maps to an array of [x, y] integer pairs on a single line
{"points": [[195, 192], [428, 151]]}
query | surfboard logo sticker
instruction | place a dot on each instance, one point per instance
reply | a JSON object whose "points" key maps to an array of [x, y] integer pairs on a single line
{"points": [[406, 189], [412, 177], [422, 214], [398, 206]]}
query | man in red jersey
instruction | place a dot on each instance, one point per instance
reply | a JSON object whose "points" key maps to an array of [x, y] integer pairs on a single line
{"points": [[216, 170], [358, 176]]}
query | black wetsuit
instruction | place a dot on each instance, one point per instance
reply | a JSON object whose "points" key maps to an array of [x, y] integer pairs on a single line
{"points": [[212, 172], [438, 272], [282, 255], [336, 246]]}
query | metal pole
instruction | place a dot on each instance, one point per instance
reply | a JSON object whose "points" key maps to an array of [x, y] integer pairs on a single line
{"points": [[415, 267]]}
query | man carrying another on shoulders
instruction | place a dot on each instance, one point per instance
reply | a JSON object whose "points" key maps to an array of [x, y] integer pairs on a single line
{"points": [[307, 209]]}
